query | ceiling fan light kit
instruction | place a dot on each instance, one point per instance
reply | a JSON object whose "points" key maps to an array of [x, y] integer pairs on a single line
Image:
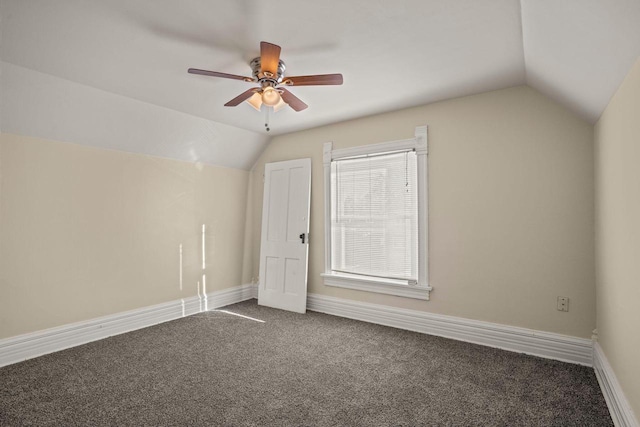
{"points": [[268, 71], [270, 96]]}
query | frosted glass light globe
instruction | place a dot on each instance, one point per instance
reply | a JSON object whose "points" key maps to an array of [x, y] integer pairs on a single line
{"points": [[270, 96]]}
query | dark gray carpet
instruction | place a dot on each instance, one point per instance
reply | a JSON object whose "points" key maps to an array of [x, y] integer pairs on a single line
{"points": [[294, 370]]}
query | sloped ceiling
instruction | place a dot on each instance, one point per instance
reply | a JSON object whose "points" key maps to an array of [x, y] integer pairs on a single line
{"points": [[392, 55], [579, 51]]}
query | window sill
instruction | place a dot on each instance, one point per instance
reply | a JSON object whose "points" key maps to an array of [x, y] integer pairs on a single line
{"points": [[381, 286]]}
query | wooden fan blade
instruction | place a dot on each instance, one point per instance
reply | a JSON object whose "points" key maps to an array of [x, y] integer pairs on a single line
{"points": [[320, 79], [240, 98], [293, 101], [269, 57], [217, 74]]}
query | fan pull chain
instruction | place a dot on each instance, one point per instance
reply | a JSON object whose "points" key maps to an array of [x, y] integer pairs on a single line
{"points": [[266, 118]]}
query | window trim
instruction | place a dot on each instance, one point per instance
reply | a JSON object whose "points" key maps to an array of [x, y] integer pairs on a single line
{"points": [[386, 286]]}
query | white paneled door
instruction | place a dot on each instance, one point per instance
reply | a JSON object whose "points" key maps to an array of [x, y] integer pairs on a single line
{"points": [[285, 235]]}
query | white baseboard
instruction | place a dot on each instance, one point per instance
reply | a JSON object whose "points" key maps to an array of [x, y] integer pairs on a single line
{"points": [[230, 296], [544, 344], [27, 346], [254, 290], [619, 407]]}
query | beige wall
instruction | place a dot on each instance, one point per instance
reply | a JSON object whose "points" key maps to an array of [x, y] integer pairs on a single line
{"points": [[511, 207], [617, 160], [86, 232]]}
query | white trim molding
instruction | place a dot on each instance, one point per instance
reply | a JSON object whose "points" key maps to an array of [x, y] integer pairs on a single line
{"points": [[27, 346], [233, 295], [422, 289], [387, 286], [621, 412], [521, 340]]}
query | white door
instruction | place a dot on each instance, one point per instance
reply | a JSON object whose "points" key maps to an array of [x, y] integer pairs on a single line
{"points": [[285, 235]]}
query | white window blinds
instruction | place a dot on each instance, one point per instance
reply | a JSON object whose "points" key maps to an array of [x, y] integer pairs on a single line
{"points": [[374, 215]]}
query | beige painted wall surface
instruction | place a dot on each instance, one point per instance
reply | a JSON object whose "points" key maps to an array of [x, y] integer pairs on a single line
{"points": [[511, 207], [617, 159], [86, 232]]}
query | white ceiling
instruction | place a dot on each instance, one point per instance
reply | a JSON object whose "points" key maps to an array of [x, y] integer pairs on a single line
{"points": [[392, 54], [579, 51]]}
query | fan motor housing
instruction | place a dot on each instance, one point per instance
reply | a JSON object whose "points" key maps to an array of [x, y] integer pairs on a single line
{"points": [[266, 79]]}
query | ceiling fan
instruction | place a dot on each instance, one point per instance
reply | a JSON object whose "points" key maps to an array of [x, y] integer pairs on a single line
{"points": [[268, 72]]}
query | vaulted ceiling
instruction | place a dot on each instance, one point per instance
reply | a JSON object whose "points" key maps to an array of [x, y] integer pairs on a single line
{"points": [[392, 55]]}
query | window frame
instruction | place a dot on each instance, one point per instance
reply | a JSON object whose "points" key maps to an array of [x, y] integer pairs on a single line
{"points": [[422, 289]]}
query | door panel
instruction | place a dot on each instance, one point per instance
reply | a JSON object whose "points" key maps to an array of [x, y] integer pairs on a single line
{"points": [[290, 275], [277, 198], [297, 211], [285, 216], [271, 273]]}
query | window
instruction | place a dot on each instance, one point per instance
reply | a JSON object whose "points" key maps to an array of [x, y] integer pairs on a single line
{"points": [[376, 217]]}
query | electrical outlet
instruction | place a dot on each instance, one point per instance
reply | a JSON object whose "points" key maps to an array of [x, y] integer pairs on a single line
{"points": [[563, 303]]}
